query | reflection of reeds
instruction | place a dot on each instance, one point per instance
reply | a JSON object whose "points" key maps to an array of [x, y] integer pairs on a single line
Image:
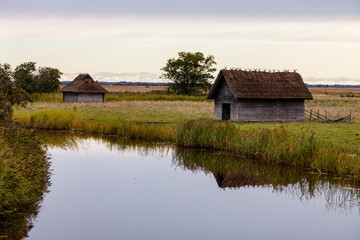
{"points": [[277, 146], [24, 178]]}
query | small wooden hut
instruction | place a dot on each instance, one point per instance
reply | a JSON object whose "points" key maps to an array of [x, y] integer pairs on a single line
{"points": [[83, 89], [259, 96]]}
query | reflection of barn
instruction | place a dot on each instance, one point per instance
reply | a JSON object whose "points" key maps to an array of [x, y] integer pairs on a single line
{"points": [[259, 96], [233, 180], [83, 89]]}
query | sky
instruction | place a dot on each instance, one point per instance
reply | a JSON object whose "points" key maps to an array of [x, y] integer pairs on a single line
{"points": [[116, 40]]}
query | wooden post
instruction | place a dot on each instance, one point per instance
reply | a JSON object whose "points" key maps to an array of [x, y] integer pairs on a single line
{"points": [[325, 114], [338, 116], [350, 116], [310, 114]]}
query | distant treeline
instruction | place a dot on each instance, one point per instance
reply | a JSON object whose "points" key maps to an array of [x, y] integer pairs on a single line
{"points": [[127, 83], [332, 86]]}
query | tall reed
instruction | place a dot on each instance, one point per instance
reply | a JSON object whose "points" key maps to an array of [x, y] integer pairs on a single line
{"points": [[277, 146], [69, 119]]}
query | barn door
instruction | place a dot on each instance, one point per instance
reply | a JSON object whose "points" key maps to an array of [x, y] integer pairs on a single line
{"points": [[226, 111]]}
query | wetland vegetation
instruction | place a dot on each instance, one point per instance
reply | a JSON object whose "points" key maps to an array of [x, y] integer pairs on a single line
{"points": [[322, 147]]}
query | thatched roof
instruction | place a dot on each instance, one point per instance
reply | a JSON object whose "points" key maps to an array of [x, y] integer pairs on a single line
{"points": [[84, 84], [262, 85]]}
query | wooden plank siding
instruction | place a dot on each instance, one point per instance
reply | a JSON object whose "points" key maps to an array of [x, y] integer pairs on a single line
{"points": [[70, 97], [271, 110], [83, 97], [91, 97]]}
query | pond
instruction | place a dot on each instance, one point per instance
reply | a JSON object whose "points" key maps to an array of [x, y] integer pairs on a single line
{"points": [[108, 188]]}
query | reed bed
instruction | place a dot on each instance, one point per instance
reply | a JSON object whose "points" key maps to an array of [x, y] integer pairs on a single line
{"points": [[273, 146], [68, 119]]}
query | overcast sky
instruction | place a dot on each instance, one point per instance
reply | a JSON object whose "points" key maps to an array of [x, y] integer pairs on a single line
{"points": [[133, 39]]}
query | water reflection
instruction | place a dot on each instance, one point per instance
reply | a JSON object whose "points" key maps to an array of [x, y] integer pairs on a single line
{"points": [[231, 172], [19, 225]]}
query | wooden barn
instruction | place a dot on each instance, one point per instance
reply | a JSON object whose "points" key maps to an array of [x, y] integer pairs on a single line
{"points": [[83, 89], [259, 96]]}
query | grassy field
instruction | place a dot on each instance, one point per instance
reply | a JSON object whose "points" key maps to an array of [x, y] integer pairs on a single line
{"points": [[173, 112], [132, 88], [154, 118]]}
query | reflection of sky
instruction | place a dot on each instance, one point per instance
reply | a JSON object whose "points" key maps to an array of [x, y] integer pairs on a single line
{"points": [[102, 194], [131, 40]]}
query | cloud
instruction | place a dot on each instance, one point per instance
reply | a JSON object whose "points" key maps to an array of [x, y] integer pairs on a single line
{"points": [[245, 8], [118, 77], [179, 28]]}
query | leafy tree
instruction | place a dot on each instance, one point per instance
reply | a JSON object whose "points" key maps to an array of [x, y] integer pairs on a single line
{"points": [[10, 94], [47, 80], [24, 74], [190, 72], [43, 80]]}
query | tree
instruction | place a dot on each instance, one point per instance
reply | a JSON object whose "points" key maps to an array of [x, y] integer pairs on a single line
{"points": [[47, 80], [24, 74], [190, 72], [43, 80], [10, 94]]}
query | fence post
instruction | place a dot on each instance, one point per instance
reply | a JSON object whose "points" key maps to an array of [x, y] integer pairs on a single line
{"points": [[310, 114], [325, 114], [338, 116], [350, 116]]}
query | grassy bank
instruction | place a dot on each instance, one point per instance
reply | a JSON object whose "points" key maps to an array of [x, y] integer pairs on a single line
{"points": [[305, 145], [272, 146], [24, 178]]}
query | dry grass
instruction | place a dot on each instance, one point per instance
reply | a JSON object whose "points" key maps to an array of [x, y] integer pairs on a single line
{"points": [[136, 111], [335, 93], [131, 88]]}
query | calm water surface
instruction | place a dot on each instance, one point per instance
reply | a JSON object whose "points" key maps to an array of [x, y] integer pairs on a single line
{"points": [[113, 189]]}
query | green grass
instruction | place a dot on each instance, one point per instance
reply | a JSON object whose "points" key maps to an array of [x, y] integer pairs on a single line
{"points": [[161, 121], [273, 146]]}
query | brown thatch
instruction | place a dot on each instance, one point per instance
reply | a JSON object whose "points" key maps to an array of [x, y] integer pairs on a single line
{"points": [[262, 85], [84, 84]]}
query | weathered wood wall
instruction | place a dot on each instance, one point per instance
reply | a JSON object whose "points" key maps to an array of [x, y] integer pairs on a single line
{"points": [[271, 110], [70, 97], [224, 95], [83, 97], [91, 97]]}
